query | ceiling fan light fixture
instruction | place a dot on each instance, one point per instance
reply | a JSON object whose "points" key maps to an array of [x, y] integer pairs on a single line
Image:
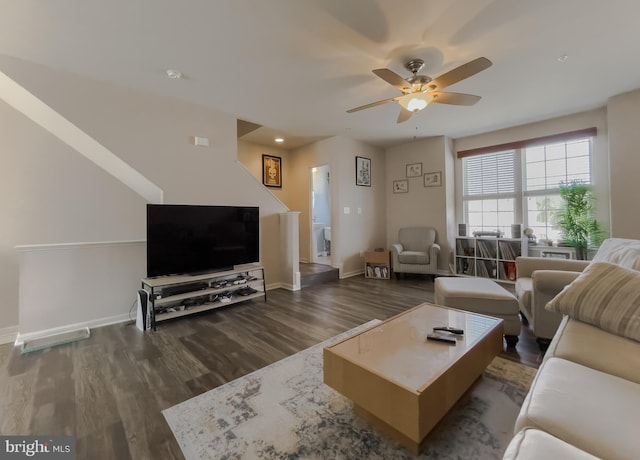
{"points": [[415, 102], [418, 91]]}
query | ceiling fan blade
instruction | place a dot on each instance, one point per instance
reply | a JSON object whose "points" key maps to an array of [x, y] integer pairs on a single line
{"points": [[455, 98], [404, 115], [460, 73], [373, 104], [392, 78]]}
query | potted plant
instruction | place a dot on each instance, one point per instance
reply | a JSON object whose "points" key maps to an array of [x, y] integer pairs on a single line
{"points": [[578, 226]]}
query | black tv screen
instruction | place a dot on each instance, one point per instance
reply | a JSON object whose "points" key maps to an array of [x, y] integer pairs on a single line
{"points": [[189, 239]]}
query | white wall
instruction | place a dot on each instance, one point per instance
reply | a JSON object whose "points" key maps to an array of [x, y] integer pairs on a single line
{"points": [[624, 160], [51, 194], [354, 232], [421, 206], [98, 287], [597, 118]]}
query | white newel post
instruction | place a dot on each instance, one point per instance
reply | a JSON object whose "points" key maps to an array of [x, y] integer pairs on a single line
{"points": [[290, 244]]}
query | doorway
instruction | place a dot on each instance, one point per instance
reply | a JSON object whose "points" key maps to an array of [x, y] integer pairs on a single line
{"points": [[320, 215]]}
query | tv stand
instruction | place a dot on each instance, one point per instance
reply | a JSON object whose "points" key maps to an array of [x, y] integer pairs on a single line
{"points": [[202, 292]]}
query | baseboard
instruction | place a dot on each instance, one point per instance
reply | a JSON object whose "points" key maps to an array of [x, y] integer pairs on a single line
{"points": [[271, 286], [353, 273], [20, 339], [11, 334], [289, 287], [8, 334]]}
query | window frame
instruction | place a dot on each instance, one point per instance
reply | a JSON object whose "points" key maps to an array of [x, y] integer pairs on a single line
{"points": [[520, 194]]}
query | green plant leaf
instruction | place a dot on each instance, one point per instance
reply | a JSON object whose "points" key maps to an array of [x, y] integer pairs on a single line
{"points": [[576, 222]]}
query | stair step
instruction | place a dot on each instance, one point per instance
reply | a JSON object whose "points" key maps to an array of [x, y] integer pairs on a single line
{"points": [[314, 274]]}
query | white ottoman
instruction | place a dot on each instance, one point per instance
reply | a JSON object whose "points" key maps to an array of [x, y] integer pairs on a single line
{"points": [[484, 296]]}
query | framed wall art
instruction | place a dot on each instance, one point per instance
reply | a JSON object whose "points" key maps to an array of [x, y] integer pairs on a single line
{"points": [[363, 171], [433, 179], [400, 186], [414, 170], [272, 171]]}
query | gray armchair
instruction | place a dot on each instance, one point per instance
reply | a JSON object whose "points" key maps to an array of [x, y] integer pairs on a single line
{"points": [[416, 251], [541, 279]]}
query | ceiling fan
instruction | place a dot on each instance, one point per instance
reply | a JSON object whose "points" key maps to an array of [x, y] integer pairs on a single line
{"points": [[419, 91]]}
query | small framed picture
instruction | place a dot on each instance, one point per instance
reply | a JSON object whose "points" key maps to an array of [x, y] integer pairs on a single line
{"points": [[400, 186], [272, 171], [433, 179], [414, 170], [363, 171]]}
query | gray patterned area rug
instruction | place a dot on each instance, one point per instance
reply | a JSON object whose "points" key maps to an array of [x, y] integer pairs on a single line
{"points": [[285, 411]]}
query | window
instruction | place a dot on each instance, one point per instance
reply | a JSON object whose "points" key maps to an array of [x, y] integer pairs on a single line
{"points": [[489, 191], [546, 168], [522, 185]]}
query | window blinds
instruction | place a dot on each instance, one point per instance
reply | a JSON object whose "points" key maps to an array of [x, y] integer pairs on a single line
{"points": [[489, 174]]}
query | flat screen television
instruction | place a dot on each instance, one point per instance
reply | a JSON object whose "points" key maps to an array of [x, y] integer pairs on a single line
{"points": [[190, 239]]}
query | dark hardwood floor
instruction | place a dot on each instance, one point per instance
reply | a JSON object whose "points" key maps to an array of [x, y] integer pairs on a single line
{"points": [[108, 391]]}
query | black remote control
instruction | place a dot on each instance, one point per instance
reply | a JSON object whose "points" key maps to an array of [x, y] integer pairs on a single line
{"points": [[441, 338], [453, 330]]}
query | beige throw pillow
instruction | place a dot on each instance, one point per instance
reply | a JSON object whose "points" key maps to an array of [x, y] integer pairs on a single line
{"points": [[605, 295]]}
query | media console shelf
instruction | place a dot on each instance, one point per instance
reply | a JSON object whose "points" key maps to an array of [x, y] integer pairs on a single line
{"points": [[488, 257], [180, 295]]}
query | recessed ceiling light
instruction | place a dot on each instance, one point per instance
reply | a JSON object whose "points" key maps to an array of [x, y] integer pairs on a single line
{"points": [[562, 58], [279, 140], [174, 74]]}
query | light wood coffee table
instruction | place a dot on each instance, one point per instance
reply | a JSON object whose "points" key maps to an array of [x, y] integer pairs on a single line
{"points": [[404, 384]]}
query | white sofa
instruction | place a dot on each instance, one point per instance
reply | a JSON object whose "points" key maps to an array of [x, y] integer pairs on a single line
{"points": [[585, 398], [584, 402]]}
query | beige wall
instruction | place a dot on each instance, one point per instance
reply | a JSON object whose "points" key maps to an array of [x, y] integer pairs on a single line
{"points": [[624, 159], [421, 206], [250, 155], [52, 194], [597, 118], [357, 231], [450, 183]]}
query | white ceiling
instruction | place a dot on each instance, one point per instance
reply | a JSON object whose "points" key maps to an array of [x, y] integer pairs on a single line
{"points": [[296, 66]]}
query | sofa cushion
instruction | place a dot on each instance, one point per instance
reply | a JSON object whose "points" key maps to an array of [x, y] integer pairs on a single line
{"points": [[532, 444], [413, 257], [589, 409], [590, 346], [605, 295], [417, 238], [524, 290], [619, 251]]}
